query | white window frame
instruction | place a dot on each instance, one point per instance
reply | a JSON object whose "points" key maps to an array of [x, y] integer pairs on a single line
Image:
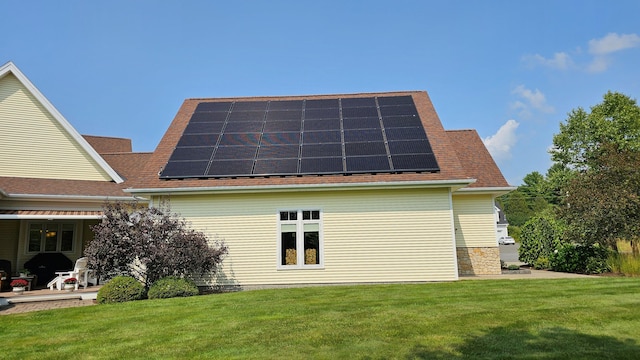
{"points": [[59, 225], [299, 223]]}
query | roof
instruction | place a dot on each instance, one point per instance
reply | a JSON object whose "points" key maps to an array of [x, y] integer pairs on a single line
{"points": [[128, 165], [475, 159], [108, 145], [443, 144]]}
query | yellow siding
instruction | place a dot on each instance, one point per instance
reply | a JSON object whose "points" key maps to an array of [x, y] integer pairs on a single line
{"points": [[34, 144], [475, 221], [369, 236]]}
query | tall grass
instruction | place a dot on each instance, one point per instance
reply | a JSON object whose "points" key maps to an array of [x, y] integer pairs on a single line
{"points": [[624, 263]]}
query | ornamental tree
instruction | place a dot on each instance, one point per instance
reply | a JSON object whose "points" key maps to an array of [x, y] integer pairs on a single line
{"points": [[150, 243]]}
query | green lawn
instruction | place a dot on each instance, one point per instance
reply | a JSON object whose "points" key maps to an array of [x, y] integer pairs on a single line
{"points": [[596, 318]]}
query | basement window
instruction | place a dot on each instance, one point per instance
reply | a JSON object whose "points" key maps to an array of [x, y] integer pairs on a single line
{"points": [[300, 239]]}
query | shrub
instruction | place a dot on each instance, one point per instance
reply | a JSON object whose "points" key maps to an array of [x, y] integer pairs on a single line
{"points": [[577, 258], [120, 289], [513, 267], [542, 263], [539, 238], [171, 286]]}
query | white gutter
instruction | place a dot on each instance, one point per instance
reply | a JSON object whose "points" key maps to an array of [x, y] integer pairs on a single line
{"points": [[82, 198], [487, 190], [306, 187]]}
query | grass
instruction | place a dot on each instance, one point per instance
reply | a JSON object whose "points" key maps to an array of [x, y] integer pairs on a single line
{"points": [[595, 318]]}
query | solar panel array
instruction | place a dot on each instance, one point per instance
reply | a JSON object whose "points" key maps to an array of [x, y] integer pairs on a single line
{"points": [[302, 137]]}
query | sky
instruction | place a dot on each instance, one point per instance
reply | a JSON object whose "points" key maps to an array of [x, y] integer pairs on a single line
{"points": [[512, 70]]}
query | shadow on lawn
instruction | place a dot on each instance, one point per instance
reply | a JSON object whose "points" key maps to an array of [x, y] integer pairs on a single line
{"points": [[554, 343]]}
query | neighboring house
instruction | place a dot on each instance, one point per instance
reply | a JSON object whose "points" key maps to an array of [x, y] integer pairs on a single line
{"points": [[330, 189], [53, 182], [501, 222]]}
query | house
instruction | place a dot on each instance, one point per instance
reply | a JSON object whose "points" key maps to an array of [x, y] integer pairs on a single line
{"points": [[53, 181], [348, 188], [344, 188], [502, 225]]}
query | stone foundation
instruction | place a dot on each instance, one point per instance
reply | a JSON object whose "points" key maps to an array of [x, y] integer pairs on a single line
{"points": [[478, 261]]}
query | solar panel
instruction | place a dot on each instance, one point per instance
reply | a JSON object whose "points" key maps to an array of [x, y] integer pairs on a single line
{"points": [[192, 153], [358, 164], [325, 165], [204, 128], [302, 137], [213, 106], [321, 150], [235, 152], [278, 151], [365, 148]]}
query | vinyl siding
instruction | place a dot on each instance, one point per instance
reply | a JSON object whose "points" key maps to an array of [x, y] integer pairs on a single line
{"points": [[33, 144], [474, 220], [369, 236]]}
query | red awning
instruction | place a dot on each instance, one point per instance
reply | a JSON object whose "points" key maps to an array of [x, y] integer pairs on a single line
{"points": [[50, 214]]}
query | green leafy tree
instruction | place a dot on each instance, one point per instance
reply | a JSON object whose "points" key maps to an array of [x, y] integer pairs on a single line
{"points": [[149, 244], [614, 121], [602, 204]]}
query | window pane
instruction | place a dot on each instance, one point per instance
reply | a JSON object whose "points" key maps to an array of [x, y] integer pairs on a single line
{"points": [[35, 237], [289, 254], [311, 247], [306, 215], [315, 215], [51, 239], [284, 215], [293, 215], [67, 238]]}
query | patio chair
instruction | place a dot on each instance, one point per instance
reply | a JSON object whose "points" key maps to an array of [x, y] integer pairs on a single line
{"points": [[80, 272]]}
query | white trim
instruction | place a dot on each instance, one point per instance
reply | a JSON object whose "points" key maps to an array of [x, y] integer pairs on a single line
{"points": [[453, 236], [306, 187], [10, 67], [299, 223]]}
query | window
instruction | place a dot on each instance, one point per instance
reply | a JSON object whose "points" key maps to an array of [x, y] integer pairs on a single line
{"points": [[51, 237], [300, 239]]}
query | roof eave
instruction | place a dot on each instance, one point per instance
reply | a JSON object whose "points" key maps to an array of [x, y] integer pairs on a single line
{"points": [[79, 198], [453, 184]]}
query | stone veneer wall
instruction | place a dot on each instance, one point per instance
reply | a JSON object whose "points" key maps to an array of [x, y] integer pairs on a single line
{"points": [[478, 260]]}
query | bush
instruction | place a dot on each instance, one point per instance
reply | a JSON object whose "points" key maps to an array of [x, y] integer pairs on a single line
{"points": [[586, 259], [171, 286], [539, 238], [513, 267], [120, 289]]}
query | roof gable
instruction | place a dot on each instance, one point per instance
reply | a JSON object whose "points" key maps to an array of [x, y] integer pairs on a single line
{"points": [[37, 141]]}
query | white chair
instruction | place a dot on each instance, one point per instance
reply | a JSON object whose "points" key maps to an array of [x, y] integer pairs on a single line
{"points": [[80, 272]]}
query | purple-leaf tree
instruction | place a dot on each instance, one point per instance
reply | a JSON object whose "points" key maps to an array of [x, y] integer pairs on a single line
{"points": [[150, 243]]}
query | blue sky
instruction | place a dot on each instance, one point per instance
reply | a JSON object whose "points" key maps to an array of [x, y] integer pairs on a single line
{"points": [[510, 69]]}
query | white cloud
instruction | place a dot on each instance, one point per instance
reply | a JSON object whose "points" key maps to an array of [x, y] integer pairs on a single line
{"points": [[601, 50], [612, 43], [501, 143], [609, 44], [560, 60], [535, 100]]}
